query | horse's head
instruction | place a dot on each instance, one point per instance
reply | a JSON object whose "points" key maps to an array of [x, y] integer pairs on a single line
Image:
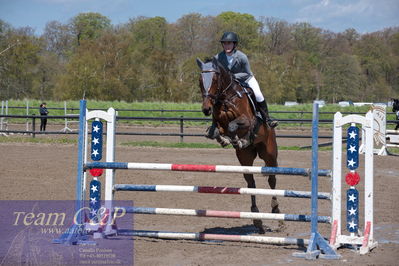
{"points": [[395, 105], [210, 83]]}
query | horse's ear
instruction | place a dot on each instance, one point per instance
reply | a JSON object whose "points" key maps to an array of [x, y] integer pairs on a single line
{"points": [[199, 63], [215, 63]]}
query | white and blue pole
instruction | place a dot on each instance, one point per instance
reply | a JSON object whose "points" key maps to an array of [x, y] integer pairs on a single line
{"points": [[75, 234], [317, 244]]}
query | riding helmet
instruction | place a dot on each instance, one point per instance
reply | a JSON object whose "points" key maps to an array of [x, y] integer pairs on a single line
{"points": [[229, 36]]}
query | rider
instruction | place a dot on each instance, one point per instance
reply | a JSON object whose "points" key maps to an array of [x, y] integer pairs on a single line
{"points": [[238, 64]]}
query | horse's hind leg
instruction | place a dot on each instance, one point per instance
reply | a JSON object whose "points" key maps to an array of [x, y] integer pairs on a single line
{"points": [[246, 158], [268, 153]]}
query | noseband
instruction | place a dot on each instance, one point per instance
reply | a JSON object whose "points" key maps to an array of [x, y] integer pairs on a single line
{"points": [[207, 78]]}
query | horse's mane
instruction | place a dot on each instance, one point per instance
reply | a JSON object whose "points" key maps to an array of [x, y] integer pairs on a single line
{"points": [[208, 59]]}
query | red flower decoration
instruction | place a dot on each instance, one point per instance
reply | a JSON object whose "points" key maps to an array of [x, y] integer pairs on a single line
{"points": [[352, 178], [96, 172]]}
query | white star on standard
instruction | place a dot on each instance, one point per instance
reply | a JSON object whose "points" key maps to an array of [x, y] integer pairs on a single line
{"points": [[352, 224], [96, 128], [95, 153], [352, 211], [352, 135], [352, 197], [93, 188], [95, 141], [352, 149], [93, 212], [93, 200], [351, 162]]}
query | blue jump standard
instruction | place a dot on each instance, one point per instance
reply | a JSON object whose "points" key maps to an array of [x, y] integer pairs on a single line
{"points": [[318, 247]]}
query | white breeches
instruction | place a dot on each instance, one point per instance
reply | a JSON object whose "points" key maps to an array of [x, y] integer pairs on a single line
{"points": [[253, 83]]}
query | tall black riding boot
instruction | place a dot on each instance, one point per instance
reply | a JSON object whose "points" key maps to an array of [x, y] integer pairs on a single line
{"points": [[210, 132], [264, 111]]}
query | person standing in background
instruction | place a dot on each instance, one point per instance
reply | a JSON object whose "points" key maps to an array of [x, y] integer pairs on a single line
{"points": [[43, 113]]}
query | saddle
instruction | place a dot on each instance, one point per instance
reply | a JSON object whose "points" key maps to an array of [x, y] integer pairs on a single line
{"points": [[251, 97]]}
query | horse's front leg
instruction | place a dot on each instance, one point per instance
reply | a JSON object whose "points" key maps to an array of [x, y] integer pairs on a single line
{"points": [[220, 138], [236, 128], [251, 184], [216, 132]]}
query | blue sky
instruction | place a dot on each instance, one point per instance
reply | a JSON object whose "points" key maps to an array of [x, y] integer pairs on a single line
{"points": [[336, 15]]}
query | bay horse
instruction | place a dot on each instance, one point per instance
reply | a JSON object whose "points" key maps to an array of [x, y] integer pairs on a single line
{"points": [[234, 113]]}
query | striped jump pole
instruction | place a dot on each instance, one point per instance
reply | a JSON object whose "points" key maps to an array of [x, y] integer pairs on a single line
{"points": [[215, 237], [207, 168], [223, 214], [221, 190]]}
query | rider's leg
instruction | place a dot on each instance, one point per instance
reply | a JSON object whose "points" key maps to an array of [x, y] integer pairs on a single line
{"points": [[210, 132], [213, 133], [264, 111]]}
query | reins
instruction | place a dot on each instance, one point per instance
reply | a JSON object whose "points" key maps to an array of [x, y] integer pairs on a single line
{"points": [[222, 92]]}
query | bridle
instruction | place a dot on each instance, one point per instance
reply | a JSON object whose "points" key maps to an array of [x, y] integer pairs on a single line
{"points": [[207, 83]]}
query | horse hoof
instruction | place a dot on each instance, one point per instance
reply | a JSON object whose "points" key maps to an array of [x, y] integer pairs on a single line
{"points": [[276, 210], [274, 203], [236, 145], [223, 142], [281, 226], [259, 225]]}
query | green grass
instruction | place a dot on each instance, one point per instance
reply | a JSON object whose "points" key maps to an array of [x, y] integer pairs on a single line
{"points": [[393, 150], [18, 139], [172, 144], [193, 145]]}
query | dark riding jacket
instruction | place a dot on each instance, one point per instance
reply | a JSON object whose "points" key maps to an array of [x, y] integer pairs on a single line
{"points": [[239, 67], [43, 111]]}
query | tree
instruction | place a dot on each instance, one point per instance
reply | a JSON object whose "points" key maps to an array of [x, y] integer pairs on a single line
{"points": [[378, 65], [151, 59], [59, 39], [18, 62], [81, 78], [245, 25], [149, 33], [351, 35], [46, 71], [277, 35], [101, 69], [342, 78], [193, 34], [88, 26]]}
